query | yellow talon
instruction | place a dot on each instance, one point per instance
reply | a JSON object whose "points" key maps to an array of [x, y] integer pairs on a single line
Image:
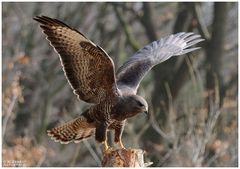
{"points": [[107, 149]]}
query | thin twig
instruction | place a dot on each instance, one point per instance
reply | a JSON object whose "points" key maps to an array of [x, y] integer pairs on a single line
{"points": [[42, 159], [92, 152], [156, 127], [145, 127], [134, 43], [191, 71], [9, 113], [214, 112], [197, 12], [170, 110], [165, 158], [75, 155]]}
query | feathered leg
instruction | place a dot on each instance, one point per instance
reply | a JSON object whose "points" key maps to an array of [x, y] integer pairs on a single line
{"points": [[101, 135], [118, 127]]}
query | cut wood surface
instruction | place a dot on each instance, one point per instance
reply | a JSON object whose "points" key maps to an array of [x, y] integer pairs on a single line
{"points": [[124, 158]]}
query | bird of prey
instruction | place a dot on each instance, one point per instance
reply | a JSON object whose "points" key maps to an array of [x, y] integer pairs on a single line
{"points": [[91, 73]]}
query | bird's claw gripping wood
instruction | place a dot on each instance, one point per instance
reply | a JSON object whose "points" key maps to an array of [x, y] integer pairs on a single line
{"points": [[106, 147]]}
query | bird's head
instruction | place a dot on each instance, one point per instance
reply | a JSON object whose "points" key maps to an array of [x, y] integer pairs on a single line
{"points": [[136, 104]]}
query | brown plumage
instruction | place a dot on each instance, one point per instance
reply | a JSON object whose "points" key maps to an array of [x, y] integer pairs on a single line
{"points": [[90, 72], [83, 62], [75, 130]]}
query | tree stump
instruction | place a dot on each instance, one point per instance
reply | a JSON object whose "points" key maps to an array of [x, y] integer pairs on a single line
{"points": [[124, 158]]}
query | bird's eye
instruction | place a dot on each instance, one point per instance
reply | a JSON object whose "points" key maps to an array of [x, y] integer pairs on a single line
{"points": [[140, 104]]}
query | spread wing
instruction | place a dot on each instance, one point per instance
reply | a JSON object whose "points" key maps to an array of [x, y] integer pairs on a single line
{"points": [[88, 68], [130, 74]]}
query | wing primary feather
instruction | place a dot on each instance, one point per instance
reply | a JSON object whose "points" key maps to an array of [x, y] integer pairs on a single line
{"points": [[193, 43], [54, 22], [188, 50], [185, 35], [192, 37]]}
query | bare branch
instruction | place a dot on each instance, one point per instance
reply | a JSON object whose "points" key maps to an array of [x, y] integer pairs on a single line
{"points": [[197, 12], [135, 45]]}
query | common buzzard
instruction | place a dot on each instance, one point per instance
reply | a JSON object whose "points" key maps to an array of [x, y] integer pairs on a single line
{"points": [[91, 74]]}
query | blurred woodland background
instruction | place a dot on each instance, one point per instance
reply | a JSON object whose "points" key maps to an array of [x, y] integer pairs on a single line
{"points": [[192, 99]]}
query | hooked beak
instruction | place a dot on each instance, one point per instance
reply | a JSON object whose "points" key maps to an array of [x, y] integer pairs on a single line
{"points": [[146, 112]]}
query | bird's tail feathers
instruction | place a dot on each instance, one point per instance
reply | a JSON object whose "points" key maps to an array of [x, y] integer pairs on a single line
{"points": [[73, 131]]}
